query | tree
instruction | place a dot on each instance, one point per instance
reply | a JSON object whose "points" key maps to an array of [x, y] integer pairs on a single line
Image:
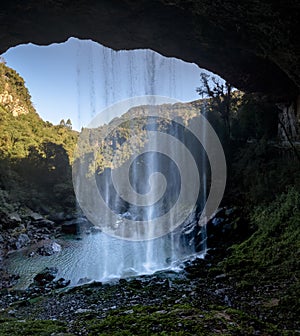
{"points": [[62, 122], [221, 97], [69, 124]]}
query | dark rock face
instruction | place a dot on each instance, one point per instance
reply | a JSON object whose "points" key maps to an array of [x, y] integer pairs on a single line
{"points": [[253, 44], [46, 276], [75, 226], [44, 281]]}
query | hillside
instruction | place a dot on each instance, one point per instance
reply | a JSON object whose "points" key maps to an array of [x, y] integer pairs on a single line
{"points": [[35, 155]]}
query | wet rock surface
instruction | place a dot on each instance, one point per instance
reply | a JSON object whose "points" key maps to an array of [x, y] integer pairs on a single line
{"points": [[48, 248], [204, 298], [24, 228], [200, 289], [76, 226]]}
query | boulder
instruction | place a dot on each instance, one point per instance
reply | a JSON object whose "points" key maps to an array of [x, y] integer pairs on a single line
{"points": [[75, 226], [60, 217], [35, 216], [46, 276], [49, 248], [46, 223], [15, 217], [83, 281], [44, 281], [95, 229], [22, 241], [225, 228]]}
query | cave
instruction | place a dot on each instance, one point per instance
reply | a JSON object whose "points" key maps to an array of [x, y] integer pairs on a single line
{"points": [[237, 269], [251, 44]]}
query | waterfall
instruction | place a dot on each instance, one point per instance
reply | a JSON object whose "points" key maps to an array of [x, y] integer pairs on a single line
{"points": [[147, 203], [204, 180], [139, 73]]}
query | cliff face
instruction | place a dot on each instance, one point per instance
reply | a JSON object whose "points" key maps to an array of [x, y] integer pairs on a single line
{"points": [[253, 43], [14, 96]]}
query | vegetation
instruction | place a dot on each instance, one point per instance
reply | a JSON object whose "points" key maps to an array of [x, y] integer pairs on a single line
{"points": [[264, 182], [27, 328], [243, 116], [35, 156], [182, 319], [108, 145], [275, 244]]}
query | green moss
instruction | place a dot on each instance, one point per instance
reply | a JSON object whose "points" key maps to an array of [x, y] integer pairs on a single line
{"points": [[40, 328], [176, 320], [275, 245]]}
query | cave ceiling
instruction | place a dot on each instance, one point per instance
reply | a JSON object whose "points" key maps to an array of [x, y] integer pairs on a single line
{"points": [[252, 44]]}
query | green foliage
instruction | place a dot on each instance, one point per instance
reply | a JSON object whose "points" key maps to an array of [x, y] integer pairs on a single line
{"points": [[29, 328], [35, 156], [255, 118], [243, 116], [109, 146], [14, 84], [271, 256], [259, 171], [275, 245], [181, 319]]}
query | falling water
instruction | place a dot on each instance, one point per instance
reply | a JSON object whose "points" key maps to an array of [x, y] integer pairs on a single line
{"points": [[100, 256], [203, 219]]}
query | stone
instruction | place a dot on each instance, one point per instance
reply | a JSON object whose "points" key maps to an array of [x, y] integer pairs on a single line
{"points": [[82, 311], [22, 241], [95, 229], [58, 217], [83, 281], [46, 276], [61, 283], [35, 216], [49, 248], [75, 226], [46, 223], [15, 217]]}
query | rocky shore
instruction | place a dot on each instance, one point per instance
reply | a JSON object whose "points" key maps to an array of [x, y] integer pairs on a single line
{"points": [[199, 300], [206, 297], [26, 229]]}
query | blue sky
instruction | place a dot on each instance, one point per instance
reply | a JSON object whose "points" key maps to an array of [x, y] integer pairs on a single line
{"points": [[79, 78]]}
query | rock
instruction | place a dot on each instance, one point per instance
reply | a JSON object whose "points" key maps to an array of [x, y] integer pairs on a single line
{"points": [[8, 280], [61, 283], [15, 217], [70, 227], [220, 277], [75, 226], [224, 228], [82, 311], [46, 223], [95, 229], [1, 239], [46, 276], [49, 248], [22, 241], [60, 217], [83, 281], [36, 216]]}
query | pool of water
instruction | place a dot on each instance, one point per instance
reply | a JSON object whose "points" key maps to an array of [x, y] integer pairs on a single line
{"points": [[99, 257]]}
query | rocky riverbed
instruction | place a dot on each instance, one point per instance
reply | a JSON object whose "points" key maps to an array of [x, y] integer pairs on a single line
{"points": [[199, 300], [24, 229], [206, 297]]}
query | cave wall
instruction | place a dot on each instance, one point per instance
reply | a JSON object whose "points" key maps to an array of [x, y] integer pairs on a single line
{"points": [[253, 44]]}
